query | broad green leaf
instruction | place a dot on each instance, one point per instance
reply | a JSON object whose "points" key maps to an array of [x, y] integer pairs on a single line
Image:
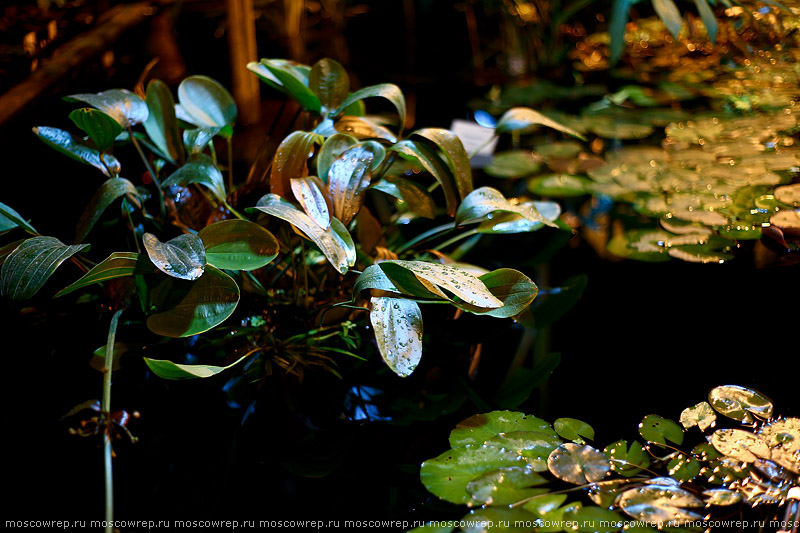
{"points": [[559, 185], [653, 428], [332, 148], [109, 191], [183, 257], [448, 475], [327, 241], [456, 156], [516, 290], [783, 438], [722, 497], [505, 486], [513, 164], [627, 460], [196, 140], [578, 464], [668, 12], [291, 160], [573, 429], [238, 245], [6, 250], [525, 120], [98, 360], [423, 155], [348, 179], [418, 199], [66, 144], [465, 286], [591, 519], [683, 467], [660, 503], [288, 78], [162, 123], [9, 219], [499, 519], [534, 446], [344, 240], [620, 11], [31, 264], [484, 202], [478, 429], [208, 104], [740, 445], [209, 301], [541, 505], [373, 277], [397, 323], [504, 222], [388, 91], [101, 128], [740, 403], [700, 415], [708, 18], [362, 128], [116, 265], [330, 82], [554, 521], [120, 104], [169, 370], [199, 168], [314, 198]]}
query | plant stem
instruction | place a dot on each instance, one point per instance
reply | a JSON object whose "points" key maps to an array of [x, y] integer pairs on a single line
{"points": [[161, 206], [457, 238], [427, 235], [108, 452], [230, 164], [233, 211]]}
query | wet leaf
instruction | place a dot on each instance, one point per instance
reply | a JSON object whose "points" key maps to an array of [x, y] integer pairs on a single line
{"points": [[740, 445], [30, 265], [660, 430], [238, 245], [516, 290], [513, 164], [559, 185], [423, 155], [591, 519], [362, 128], [388, 91], [345, 241], [76, 149], [574, 430], [660, 503], [683, 468], [721, 497], [789, 194], [208, 104], [162, 123], [348, 179], [120, 104], [333, 147], [783, 438], [6, 250], [196, 140], [487, 519], [627, 460], [485, 201], [559, 150], [101, 128], [183, 257], [291, 160], [578, 464], [9, 219], [526, 120], [109, 191], [169, 370], [418, 199], [397, 323], [455, 156], [290, 78], [740, 403], [478, 429], [199, 168], [330, 82], [116, 265], [208, 302], [508, 222], [313, 196], [327, 241], [701, 415], [544, 504], [534, 446]]}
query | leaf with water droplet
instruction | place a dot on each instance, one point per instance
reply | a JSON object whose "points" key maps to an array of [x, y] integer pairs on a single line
{"points": [[683, 467], [486, 201], [388, 91], [660, 430], [591, 519], [700, 415], [116, 265], [578, 464], [783, 438], [207, 102], [333, 147], [418, 199], [120, 104], [348, 179], [479, 428], [660, 503], [526, 120], [101, 128], [423, 155], [199, 168], [505, 486], [330, 82], [455, 156], [108, 192], [65, 143], [721, 497], [238, 245], [740, 445], [313, 196], [740, 403], [291, 160], [183, 257], [627, 460], [26, 269], [397, 323]]}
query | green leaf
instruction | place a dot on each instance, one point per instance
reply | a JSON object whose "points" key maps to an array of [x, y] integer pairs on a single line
{"points": [[344, 240], [423, 155], [668, 12], [162, 123], [199, 168], [534, 446], [578, 464], [708, 18], [9, 219], [101, 128], [238, 245], [175, 371], [478, 429], [485, 201], [196, 140], [525, 120], [573, 429], [6, 250], [31, 264], [291, 160], [66, 144], [330, 82], [559, 185], [116, 265], [314, 198], [418, 199], [208, 302], [505, 486], [542, 505], [120, 104], [740, 403], [388, 91], [660, 503], [504, 222], [627, 461], [516, 290], [287, 77], [326, 239], [740, 445], [206, 102], [108, 192], [348, 179], [513, 164], [653, 428], [362, 128], [683, 467], [333, 147], [456, 156], [616, 27], [397, 323], [591, 519], [183, 257], [700, 415]]}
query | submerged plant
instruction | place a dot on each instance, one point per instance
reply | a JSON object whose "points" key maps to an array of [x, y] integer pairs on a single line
{"points": [[521, 473]]}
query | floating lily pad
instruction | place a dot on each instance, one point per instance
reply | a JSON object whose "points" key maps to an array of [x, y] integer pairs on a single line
{"points": [[578, 464]]}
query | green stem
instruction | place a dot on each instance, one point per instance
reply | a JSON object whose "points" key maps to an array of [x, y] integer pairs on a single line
{"points": [[161, 205], [427, 235], [230, 164], [233, 211], [457, 238], [108, 452]]}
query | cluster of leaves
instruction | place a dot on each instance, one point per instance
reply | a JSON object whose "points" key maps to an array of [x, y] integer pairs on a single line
{"points": [[523, 474], [345, 186]]}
